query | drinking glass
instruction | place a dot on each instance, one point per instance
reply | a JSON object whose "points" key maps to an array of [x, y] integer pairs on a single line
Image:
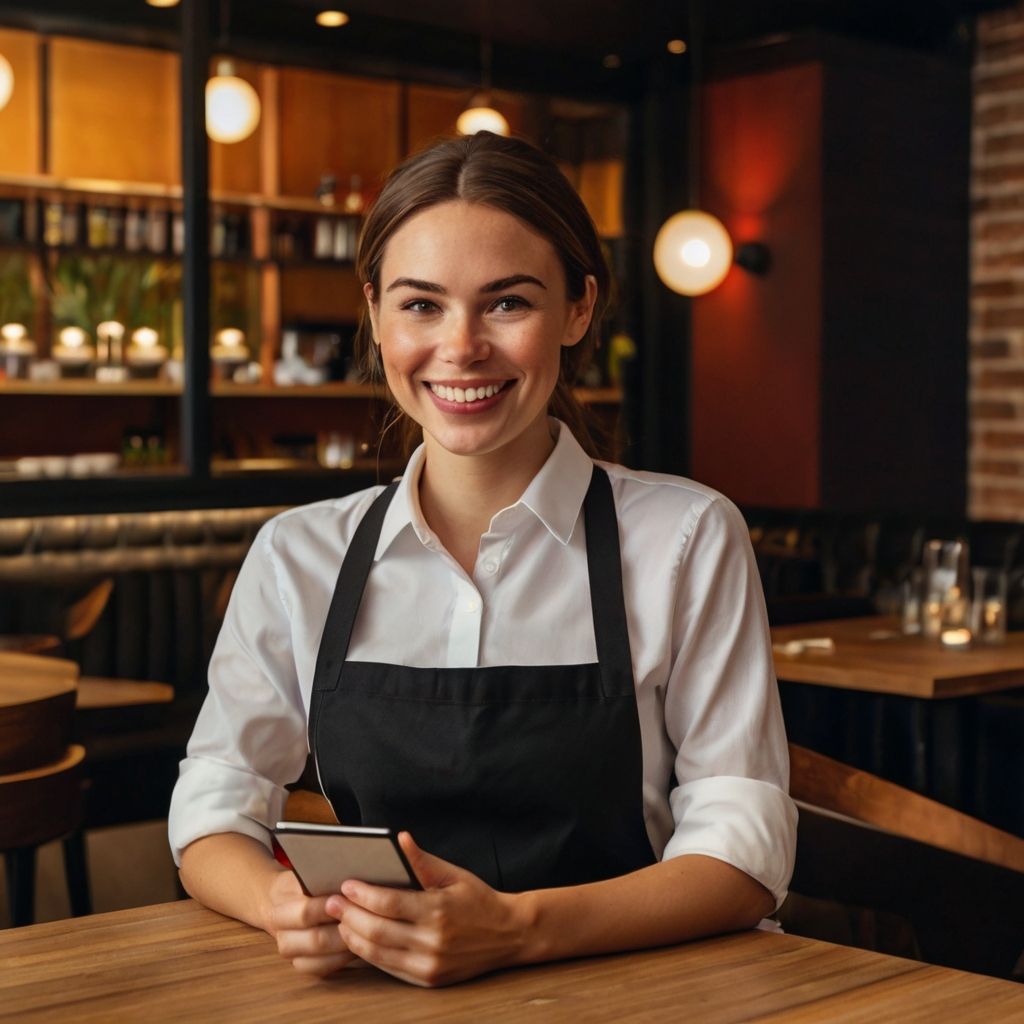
{"points": [[946, 581], [988, 611], [912, 596]]}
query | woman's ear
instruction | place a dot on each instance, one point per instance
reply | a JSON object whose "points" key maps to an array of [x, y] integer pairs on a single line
{"points": [[581, 312], [371, 307]]}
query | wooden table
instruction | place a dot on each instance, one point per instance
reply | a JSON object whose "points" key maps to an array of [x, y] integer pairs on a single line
{"points": [[95, 692], [873, 654], [180, 962]]}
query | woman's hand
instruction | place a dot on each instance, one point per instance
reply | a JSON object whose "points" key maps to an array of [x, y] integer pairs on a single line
{"points": [[457, 928], [305, 932]]}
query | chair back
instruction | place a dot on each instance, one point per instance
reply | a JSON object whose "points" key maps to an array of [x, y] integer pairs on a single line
{"points": [[37, 703], [866, 843]]}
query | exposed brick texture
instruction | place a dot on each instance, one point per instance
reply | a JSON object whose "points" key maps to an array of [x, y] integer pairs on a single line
{"points": [[996, 457]]}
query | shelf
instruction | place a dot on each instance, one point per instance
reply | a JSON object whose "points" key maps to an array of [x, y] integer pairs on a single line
{"points": [[226, 389], [41, 183], [127, 389], [301, 467], [335, 389]]}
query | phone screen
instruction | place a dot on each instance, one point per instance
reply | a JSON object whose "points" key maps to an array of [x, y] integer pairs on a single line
{"points": [[324, 856]]}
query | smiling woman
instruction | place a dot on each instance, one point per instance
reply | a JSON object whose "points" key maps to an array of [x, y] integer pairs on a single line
{"points": [[553, 672]]}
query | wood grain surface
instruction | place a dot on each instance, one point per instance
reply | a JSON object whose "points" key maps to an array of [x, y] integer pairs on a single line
{"points": [[873, 654], [180, 962]]}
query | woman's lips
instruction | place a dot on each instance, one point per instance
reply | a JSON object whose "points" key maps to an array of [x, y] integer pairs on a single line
{"points": [[461, 403]]}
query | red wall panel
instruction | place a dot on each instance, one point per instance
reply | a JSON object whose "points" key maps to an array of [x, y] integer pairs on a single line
{"points": [[757, 340]]}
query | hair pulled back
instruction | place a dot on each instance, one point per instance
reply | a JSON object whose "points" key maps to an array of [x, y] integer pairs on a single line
{"points": [[513, 176]]}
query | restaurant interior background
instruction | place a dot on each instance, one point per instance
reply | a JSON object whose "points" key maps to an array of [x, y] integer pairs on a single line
{"points": [[855, 382]]}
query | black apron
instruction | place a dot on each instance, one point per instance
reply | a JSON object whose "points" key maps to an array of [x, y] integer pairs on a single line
{"points": [[528, 776]]}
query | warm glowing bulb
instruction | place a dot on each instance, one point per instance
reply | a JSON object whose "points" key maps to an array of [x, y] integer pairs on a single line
{"points": [[481, 119], [696, 252], [332, 19], [693, 252], [232, 106], [6, 81], [73, 337], [230, 337], [112, 330], [163, 3], [676, 46], [13, 332], [145, 337]]}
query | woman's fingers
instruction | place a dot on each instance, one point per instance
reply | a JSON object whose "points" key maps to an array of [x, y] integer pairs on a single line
{"points": [[319, 941], [303, 912], [371, 927], [323, 965]]}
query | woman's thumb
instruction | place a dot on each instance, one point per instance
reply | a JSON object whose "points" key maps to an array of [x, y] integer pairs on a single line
{"points": [[432, 872]]}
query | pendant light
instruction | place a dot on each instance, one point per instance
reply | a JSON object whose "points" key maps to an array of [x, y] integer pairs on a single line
{"points": [[693, 251], [479, 115], [6, 81], [232, 104]]}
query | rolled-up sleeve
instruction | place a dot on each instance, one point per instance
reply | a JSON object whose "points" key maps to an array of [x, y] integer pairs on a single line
{"points": [[722, 711], [249, 741]]}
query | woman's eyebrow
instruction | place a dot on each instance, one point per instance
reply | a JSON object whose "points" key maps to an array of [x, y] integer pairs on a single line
{"points": [[423, 286], [510, 282]]}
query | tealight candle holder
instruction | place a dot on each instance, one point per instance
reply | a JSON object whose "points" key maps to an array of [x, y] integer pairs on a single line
{"points": [[145, 355], [74, 355], [17, 350], [956, 639], [228, 353]]}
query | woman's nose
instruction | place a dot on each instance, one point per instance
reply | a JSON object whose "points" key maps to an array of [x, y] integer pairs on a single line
{"points": [[464, 342]]}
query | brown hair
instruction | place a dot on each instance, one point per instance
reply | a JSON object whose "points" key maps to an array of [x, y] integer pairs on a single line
{"points": [[509, 175]]}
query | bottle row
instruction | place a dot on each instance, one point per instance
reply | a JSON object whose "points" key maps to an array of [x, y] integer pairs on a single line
{"points": [[157, 230]]}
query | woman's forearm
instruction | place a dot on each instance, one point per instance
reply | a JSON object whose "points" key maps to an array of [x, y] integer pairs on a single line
{"points": [[232, 874], [679, 899]]}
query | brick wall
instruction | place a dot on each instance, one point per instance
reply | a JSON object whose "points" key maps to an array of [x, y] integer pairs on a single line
{"points": [[996, 455]]}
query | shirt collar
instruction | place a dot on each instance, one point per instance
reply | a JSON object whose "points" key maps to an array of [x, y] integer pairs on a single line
{"points": [[555, 495]]}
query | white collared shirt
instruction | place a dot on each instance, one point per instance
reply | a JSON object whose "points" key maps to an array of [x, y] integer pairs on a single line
{"points": [[705, 686]]}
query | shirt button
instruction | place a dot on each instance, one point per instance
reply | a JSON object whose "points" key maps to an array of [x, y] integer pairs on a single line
{"points": [[471, 604], [491, 567]]}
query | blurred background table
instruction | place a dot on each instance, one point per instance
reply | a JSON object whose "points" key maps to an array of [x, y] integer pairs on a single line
{"points": [[179, 961], [904, 707], [873, 654]]}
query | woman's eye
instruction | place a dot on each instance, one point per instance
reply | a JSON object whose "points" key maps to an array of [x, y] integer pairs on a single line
{"points": [[420, 306], [509, 304]]}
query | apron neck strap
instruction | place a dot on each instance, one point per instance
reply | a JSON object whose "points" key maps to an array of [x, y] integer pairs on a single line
{"points": [[348, 593], [604, 564]]}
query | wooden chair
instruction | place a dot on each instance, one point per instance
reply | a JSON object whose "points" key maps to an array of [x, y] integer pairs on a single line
{"points": [[306, 806], [867, 843], [40, 782]]}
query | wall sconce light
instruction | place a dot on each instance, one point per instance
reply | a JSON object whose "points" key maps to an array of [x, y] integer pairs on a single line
{"points": [[693, 253], [754, 257], [232, 106]]}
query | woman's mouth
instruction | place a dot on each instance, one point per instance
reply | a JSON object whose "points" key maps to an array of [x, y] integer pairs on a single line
{"points": [[468, 399]]}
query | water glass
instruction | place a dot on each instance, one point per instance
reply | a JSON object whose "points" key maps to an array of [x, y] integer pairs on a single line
{"points": [[988, 611], [912, 595], [946, 582]]}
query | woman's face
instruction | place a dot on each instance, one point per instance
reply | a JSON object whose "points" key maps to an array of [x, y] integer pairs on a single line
{"points": [[471, 319]]}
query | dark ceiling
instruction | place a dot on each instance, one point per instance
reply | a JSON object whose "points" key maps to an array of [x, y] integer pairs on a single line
{"points": [[545, 45]]}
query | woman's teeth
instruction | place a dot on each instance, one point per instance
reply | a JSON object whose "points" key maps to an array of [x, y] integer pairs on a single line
{"points": [[467, 394]]}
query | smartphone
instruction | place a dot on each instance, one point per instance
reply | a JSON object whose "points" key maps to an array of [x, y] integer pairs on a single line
{"points": [[324, 856]]}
